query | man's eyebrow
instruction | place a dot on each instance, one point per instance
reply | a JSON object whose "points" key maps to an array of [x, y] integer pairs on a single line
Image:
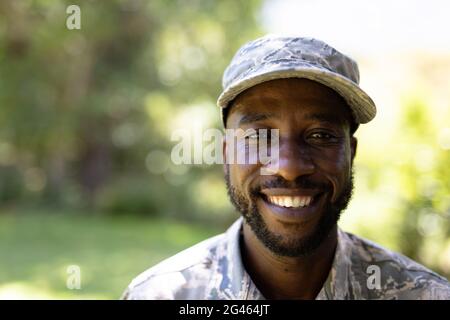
{"points": [[254, 117], [323, 117]]}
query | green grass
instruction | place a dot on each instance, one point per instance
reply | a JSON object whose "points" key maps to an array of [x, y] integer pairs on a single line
{"points": [[37, 248]]}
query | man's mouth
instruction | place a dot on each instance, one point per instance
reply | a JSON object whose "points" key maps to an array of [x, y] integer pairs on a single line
{"points": [[290, 202]]}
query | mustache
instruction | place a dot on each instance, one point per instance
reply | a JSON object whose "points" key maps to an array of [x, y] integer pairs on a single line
{"points": [[302, 182]]}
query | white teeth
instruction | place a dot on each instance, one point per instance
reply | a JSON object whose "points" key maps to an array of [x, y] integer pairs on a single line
{"points": [[302, 202], [276, 201], [308, 201], [290, 202]]}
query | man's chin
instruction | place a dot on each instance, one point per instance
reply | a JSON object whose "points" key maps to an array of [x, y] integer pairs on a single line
{"points": [[288, 239], [285, 242]]}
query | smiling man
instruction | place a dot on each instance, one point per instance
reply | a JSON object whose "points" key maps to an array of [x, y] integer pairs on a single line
{"points": [[287, 244]]}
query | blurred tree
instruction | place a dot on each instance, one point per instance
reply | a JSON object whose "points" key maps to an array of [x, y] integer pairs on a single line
{"points": [[424, 228], [77, 104]]}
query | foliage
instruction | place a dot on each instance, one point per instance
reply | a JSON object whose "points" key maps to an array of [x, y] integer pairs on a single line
{"points": [[82, 109]]}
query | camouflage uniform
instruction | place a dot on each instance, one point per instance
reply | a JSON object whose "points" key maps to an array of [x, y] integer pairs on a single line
{"points": [[213, 269]]}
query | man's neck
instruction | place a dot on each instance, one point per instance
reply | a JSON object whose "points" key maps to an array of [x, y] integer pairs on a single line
{"points": [[279, 277]]}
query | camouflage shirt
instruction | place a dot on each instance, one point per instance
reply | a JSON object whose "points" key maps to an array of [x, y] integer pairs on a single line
{"points": [[213, 269]]}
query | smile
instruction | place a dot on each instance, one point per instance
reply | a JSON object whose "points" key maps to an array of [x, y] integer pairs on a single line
{"points": [[292, 205], [289, 201]]}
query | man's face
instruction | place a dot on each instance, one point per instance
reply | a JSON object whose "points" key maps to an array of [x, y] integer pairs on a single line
{"points": [[292, 211]]}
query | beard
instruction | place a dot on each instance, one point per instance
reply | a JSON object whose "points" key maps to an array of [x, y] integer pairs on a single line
{"points": [[277, 244]]}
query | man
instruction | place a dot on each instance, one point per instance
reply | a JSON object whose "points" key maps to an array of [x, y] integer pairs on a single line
{"points": [[287, 244]]}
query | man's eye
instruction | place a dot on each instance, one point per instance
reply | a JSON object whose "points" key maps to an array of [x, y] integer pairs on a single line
{"points": [[253, 136], [261, 134], [322, 136]]}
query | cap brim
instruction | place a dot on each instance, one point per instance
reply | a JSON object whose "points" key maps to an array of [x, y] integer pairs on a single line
{"points": [[362, 106]]}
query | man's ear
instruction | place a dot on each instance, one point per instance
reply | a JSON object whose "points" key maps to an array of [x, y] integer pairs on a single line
{"points": [[353, 147]]}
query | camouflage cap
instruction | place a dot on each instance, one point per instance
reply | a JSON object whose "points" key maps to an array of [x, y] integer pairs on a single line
{"points": [[275, 57]]}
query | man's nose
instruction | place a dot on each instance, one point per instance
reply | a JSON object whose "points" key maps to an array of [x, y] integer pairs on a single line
{"points": [[294, 160]]}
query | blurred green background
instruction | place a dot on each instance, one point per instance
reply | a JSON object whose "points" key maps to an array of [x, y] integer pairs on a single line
{"points": [[86, 118]]}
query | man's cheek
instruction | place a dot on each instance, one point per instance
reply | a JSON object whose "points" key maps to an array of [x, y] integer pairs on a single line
{"points": [[339, 181], [236, 175], [336, 177]]}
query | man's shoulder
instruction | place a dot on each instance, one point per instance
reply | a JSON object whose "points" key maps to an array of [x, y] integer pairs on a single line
{"points": [[182, 276], [399, 276]]}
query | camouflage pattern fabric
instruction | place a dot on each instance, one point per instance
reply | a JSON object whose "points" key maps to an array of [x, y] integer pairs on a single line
{"points": [[213, 269], [273, 57]]}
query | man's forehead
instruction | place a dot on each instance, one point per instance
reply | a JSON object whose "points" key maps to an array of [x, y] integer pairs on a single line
{"points": [[310, 115], [273, 104], [260, 108]]}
